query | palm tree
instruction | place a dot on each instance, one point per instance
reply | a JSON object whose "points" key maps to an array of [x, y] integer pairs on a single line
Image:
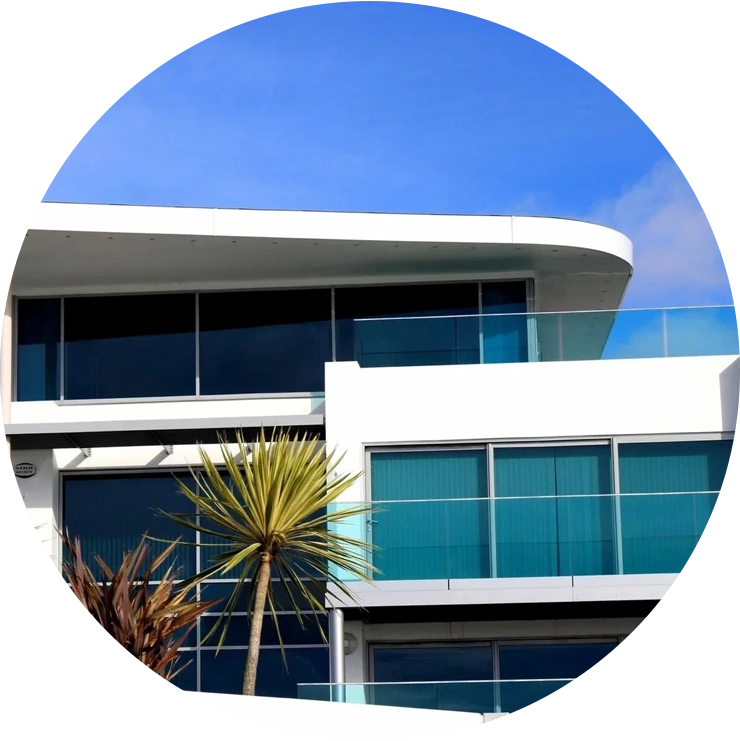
{"points": [[272, 515]]}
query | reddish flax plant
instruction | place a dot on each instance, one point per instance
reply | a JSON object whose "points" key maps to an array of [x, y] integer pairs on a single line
{"points": [[151, 621]]}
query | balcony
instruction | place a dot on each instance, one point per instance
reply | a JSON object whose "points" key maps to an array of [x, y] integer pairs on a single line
{"points": [[545, 337], [545, 699], [533, 537]]}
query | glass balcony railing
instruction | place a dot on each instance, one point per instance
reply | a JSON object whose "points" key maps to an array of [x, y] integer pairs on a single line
{"points": [[512, 537], [544, 699], [543, 337]]}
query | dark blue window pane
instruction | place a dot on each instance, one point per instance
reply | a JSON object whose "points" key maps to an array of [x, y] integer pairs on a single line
{"points": [[222, 591], [110, 513], [505, 337], [408, 342], [551, 661], [129, 346], [264, 341], [39, 329], [224, 672], [187, 679], [640, 676], [290, 629], [434, 664]]}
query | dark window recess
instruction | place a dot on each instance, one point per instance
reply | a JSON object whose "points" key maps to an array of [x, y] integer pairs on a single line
{"points": [[38, 353], [129, 346], [264, 341]]}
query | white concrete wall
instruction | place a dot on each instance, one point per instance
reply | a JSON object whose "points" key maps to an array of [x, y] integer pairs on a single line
{"points": [[52, 412], [526, 401]]}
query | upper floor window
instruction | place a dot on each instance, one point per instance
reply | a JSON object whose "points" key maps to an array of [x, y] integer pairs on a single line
{"points": [[256, 342], [38, 349], [264, 341], [129, 346]]}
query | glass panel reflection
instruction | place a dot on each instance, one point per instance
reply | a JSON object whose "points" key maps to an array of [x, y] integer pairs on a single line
{"points": [[262, 342]]}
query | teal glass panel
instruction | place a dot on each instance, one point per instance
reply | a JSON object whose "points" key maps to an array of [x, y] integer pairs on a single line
{"points": [[417, 342], [526, 524], [586, 524], [431, 539], [546, 524], [505, 338], [662, 519]]}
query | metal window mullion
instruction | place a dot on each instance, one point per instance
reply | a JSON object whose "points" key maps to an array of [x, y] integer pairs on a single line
{"points": [[333, 327], [492, 512], [481, 356], [197, 343], [496, 677], [617, 507], [62, 352]]}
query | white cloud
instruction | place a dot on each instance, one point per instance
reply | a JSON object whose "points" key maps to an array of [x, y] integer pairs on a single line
{"points": [[676, 260]]}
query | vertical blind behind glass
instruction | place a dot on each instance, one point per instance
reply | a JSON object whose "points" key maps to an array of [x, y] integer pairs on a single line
{"points": [[431, 539]]}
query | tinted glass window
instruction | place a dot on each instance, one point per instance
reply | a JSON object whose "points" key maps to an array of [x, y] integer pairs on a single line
{"points": [[446, 341], [291, 631], [129, 346], [224, 672], [264, 341], [39, 331], [452, 666], [433, 663], [110, 513], [505, 338]]}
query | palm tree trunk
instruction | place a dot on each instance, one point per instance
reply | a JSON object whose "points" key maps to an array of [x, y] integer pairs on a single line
{"points": [[255, 633]]}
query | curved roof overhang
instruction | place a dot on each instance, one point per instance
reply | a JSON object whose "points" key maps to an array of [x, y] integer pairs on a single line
{"points": [[86, 248]]}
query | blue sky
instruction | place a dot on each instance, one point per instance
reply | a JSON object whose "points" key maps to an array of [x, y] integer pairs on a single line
{"points": [[389, 107]]}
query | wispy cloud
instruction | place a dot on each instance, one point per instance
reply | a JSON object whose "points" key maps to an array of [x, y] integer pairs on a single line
{"points": [[676, 257]]}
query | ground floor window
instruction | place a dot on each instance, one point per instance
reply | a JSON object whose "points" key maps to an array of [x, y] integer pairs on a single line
{"points": [[482, 677], [111, 511]]}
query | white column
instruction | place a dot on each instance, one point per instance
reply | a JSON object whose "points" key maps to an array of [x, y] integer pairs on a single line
{"points": [[336, 654]]}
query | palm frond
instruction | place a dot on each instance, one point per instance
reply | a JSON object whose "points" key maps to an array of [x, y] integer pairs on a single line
{"points": [[277, 499]]}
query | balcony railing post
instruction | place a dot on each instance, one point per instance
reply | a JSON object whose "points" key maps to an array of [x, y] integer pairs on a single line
{"points": [[617, 508]]}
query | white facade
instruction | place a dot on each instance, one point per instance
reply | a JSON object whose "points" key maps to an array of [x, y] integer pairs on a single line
{"points": [[79, 250]]}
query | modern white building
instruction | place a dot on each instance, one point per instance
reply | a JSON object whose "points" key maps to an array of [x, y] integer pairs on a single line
{"points": [[543, 462]]}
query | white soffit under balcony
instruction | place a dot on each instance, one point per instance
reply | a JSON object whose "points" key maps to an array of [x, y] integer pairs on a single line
{"points": [[85, 248]]}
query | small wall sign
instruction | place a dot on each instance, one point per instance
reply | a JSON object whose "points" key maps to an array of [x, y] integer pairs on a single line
{"points": [[24, 470]]}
